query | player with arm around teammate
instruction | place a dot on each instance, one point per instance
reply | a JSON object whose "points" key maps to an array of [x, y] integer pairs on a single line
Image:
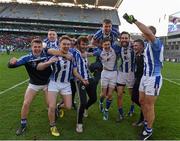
{"points": [[125, 73], [60, 80], [38, 79]]}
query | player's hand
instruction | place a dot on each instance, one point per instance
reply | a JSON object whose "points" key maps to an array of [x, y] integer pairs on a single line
{"points": [[53, 59], [69, 57], [13, 61], [129, 18], [85, 82]]}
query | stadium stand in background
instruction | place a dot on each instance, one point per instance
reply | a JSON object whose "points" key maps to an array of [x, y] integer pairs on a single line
{"points": [[20, 22]]}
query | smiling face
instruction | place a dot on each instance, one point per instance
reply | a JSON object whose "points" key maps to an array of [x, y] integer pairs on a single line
{"points": [[52, 35], [138, 46], [107, 28], [65, 44], [36, 48], [83, 46], [124, 40], [106, 45]]}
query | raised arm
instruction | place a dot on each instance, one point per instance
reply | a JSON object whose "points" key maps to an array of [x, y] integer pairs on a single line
{"points": [[143, 28]]}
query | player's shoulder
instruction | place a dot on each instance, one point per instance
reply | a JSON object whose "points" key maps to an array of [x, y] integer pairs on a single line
{"points": [[98, 33], [157, 43], [27, 56]]}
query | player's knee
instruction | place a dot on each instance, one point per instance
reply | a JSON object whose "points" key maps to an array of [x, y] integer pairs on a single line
{"points": [[120, 97], [52, 107], [109, 97], [141, 101]]}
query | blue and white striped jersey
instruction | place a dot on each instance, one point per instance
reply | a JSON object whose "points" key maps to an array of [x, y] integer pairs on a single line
{"points": [[50, 44], [62, 70], [153, 58], [113, 35], [127, 57], [82, 64]]}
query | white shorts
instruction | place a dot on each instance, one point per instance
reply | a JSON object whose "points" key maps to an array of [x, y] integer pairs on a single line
{"points": [[151, 85], [126, 79], [37, 87], [59, 87], [108, 79]]}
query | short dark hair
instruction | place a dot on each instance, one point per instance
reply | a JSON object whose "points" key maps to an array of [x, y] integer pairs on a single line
{"points": [[82, 39], [140, 41], [52, 30], [107, 21], [36, 40], [125, 32], [64, 37], [105, 40], [153, 29]]}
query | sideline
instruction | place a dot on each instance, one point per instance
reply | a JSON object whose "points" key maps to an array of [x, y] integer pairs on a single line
{"points": [[2, 92], [169, 80]]}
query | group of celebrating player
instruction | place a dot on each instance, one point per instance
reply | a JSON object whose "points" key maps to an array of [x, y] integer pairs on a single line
{"points": [[61, 66]]}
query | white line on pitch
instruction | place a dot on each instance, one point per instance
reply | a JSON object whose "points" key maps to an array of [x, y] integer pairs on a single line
{"points": [[173, 78], [169, 80], [2, 92]]}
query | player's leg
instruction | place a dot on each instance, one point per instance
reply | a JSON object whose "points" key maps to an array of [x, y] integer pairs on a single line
{"points": [[108, 102], [120, 90], [104, 88], [149, 104], [135, 98], [81, 90], [131, 109], [73, 89], [28, 98], [91, 92], [53, 90], [52, 95], [150, 116], [67, 95], [154, 84], [46, 95], [130, 84], [142, 102], [112, 78], [121, 82]]}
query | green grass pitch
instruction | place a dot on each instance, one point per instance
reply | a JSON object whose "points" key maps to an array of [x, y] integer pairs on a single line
{"points": [[166, 126]]}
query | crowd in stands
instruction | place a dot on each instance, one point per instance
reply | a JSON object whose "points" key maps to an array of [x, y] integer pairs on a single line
{"points": [[15, 41]]}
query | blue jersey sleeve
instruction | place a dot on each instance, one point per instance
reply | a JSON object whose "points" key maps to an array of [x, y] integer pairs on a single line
{"points": [[21, 61], [117, 49], [98, 35], [97, 52], [115, 32]]}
